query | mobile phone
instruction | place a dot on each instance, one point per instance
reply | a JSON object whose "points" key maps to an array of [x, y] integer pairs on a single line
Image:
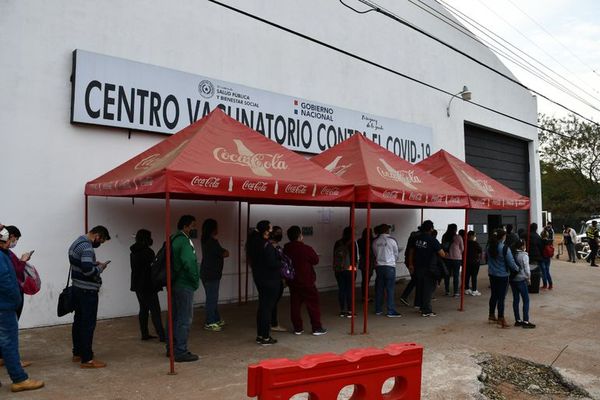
{"points": [[108, 262], [31, 252]]}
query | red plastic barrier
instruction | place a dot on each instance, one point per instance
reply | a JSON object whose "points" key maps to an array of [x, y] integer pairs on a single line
{"points": [[323, 376]]}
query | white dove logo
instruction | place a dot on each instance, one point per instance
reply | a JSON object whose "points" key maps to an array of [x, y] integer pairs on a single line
{"points": [[259, 163], [405, 177]]}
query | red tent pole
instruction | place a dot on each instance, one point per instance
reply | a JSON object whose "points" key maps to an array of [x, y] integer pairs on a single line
{"points": [[353, 270], [367, 266], [239, 253], [169, 288], [247, 229], [464, 264], [86, 214]]}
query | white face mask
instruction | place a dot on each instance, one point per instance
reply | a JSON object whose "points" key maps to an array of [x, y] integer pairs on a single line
{"points": [[13, 245]]}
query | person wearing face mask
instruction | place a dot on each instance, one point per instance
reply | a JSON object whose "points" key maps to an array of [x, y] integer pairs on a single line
{"points": [[275, 238], [211, 272], [9, 327], [141, 257], [85, 274], [186, 280]]}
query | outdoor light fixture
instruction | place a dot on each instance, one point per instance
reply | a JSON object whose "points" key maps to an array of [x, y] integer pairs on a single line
{"points": [[465, 93]]}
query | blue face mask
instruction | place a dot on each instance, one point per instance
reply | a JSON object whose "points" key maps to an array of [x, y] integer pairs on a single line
{"points": [[13, 245]]}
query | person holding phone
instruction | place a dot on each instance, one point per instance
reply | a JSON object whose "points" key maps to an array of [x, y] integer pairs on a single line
{"points": [[86, 277]]}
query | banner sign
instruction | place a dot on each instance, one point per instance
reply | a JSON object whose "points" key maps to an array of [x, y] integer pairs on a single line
{"points": [[121, 93]]}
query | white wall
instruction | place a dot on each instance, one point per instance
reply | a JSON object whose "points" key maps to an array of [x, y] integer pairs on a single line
{"points": [[50, 160]]}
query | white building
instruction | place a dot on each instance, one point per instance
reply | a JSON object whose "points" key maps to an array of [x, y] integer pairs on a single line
{"points": [[47, 159]]}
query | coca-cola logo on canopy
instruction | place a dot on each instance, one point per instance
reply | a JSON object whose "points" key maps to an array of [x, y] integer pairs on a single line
{"points": [[336, 168], [259, 186], [296, 189], [211, 182], [259, 163], [406, 177], [154, 159]]}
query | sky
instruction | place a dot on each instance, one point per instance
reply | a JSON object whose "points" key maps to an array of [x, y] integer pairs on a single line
{"points": [[563, 35]]}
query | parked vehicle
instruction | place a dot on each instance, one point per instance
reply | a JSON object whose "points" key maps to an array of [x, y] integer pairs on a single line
{"points": [[581, 246]]}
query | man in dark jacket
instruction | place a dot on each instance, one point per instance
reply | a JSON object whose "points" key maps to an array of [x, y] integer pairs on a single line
{"points": [[302, 287], [536, 247], [141, 258], [10, 298]]}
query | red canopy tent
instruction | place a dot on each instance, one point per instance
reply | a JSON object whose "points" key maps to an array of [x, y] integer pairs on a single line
{"points": [[484, 192], [218, 158], [382, 178]]}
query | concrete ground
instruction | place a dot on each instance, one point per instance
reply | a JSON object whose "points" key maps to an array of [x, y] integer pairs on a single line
{"points": [[569, 316]]}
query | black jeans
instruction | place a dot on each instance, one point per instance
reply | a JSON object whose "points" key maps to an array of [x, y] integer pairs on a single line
{"points": [[84, 322], [409, 288], [472, 272], [428, 284], [499, 287], [149, 303], [594, 251], [274, 319], [344, 281], [268, 292]]}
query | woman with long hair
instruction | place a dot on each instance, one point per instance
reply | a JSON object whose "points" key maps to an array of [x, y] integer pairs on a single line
{"points": [[500, 262], [453, 245], [518, 284], [342, 267], [211, 271]]}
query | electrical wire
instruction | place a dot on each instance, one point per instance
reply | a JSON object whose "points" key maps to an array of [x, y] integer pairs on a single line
{"points": [[532, 69], [355, 10], [396, 18], [377, 65]]}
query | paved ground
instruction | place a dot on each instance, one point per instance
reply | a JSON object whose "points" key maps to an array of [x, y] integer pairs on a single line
{"points": [[568, 315]]}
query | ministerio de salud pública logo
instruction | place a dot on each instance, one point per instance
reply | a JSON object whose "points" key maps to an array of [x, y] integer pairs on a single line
{"points": [[206, 89]]}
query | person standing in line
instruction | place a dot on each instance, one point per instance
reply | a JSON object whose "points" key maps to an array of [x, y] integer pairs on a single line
{"points": [[569, 239], [511, 237], [85, 275], [547, 240], [362, 263], [536, 248], [592, 236], [211, 272], [473, 261], [10, 299], [519, 283], [303, 288], [266, 271], [425, 254], [500, 262], [18, 264], [386, 254], [186, 280], [455, 247], [275, 237], [342, 267], [141, 258], [410, 246]]}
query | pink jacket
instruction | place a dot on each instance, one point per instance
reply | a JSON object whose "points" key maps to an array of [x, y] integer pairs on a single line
{"points": [[456, 248]]}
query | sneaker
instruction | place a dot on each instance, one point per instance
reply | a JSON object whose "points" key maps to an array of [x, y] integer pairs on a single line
{"points": [[404, 301], [349, 315], [544, 287], [393, 314], [278, 328], [76, 359], [431, 314], [469, 291], [267, 341], [212, 327], [343, 314], [593, 265], [27, 384], [518, 323], [379, 313], [319, 332], [259, 339], [221, 323], [93, 364], [300, 332], [456, 294], [528, 325], [475, 293], [187, 357]]}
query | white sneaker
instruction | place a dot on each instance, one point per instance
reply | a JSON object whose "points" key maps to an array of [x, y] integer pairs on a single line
{"points": [[476, 293], [468, 291]]}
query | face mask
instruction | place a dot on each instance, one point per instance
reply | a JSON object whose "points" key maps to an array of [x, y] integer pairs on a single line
{"points": [[13, 245], [96, 244], [193, 234]]}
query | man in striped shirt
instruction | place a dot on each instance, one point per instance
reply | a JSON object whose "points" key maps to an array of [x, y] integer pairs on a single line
{"points": [[85, 274]]}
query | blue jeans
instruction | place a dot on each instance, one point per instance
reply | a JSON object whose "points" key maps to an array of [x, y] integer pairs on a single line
{"points": [[454, 271], [519, 288], [385, 281], [211, 288], [183, 312], [499, 286], [545, 266], [9, 344], [344, 281], [84, 322]]}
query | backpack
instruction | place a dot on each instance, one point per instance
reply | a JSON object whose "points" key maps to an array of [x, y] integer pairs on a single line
{"points": [[548, 251], [32, 283], [287, 269], [158, 267]]}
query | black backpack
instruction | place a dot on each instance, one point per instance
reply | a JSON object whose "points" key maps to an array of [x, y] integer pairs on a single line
{"points": [[158, 267]]}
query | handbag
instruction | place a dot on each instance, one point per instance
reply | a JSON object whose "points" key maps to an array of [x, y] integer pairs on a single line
{"points": [[65, 300], [32, 283]]}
